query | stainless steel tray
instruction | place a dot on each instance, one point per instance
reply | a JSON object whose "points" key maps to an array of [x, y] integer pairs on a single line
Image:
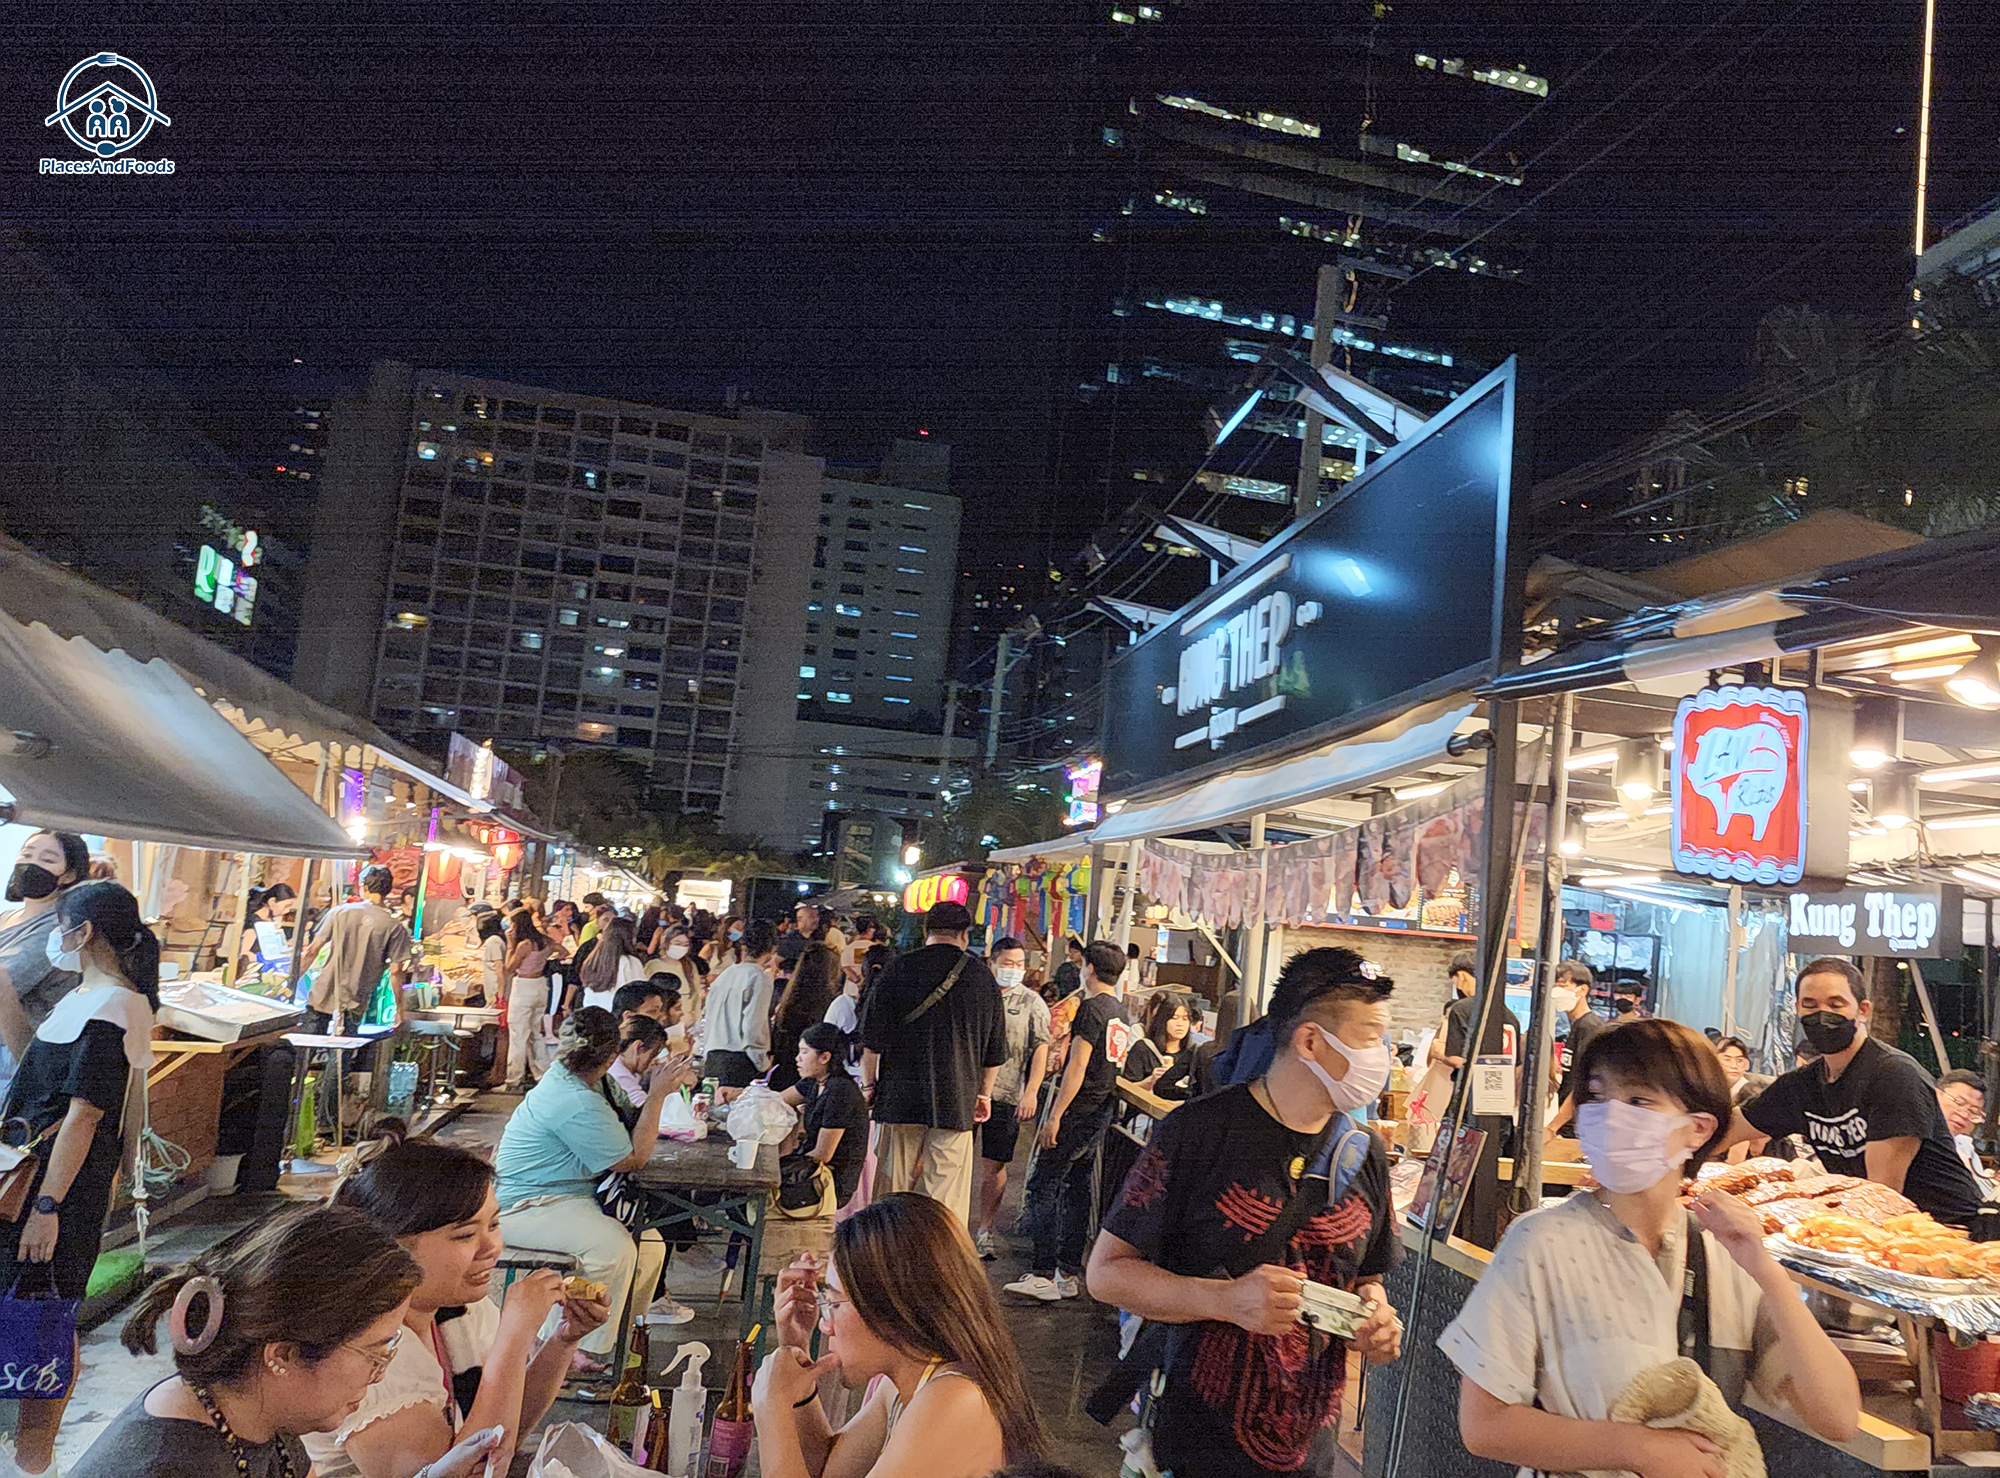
{"points": [[215, 1013]]}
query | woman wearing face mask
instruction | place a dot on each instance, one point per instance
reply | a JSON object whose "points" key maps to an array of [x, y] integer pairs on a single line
{"points": [[1583, 1296], [277, 1332], [49, 861], [461, 1364], [1865, 1108], [724, 947], [1162, 1061], [82, 1076], [677, 964]]}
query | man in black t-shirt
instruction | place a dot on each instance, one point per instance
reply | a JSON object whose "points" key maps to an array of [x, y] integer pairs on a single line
{"points": [[1452, 1044], [1571, 996], [1057, 1203], [1248, 1386], [1865, 1108], [928, 1061]]}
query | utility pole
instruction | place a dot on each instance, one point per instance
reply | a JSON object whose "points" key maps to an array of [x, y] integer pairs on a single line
{"points": [[1328, 299], [944, 744], [996, 697]]}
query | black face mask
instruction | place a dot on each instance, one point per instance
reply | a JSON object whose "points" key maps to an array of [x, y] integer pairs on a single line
{"points": [[1829, 1031], [30, 881], [1625, 1004]]}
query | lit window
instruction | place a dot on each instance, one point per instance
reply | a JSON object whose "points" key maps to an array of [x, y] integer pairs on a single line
{"points": [[566, 618], [897, 677], [895, 700], [840, 609], [912, 549], [427, 451], [912, 615], [904, 635], [920, 507], [409, 620], [531, 641], [808, 672], [840, 697], [908, 570]]}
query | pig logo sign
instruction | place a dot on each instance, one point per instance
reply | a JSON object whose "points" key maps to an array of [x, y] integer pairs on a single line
{"points": [[1739, 795]]}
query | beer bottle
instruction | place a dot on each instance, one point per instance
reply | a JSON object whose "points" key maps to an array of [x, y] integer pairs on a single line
{"points": [[730, 1431], [628, 1399]]}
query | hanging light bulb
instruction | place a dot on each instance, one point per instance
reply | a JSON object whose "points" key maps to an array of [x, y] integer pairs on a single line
{"points": [[1878, 732], [1893, 796], [1977, 683], [1635, 772]]}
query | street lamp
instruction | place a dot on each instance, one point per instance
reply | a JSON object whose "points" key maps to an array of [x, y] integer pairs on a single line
{"points": [[912, 855]]}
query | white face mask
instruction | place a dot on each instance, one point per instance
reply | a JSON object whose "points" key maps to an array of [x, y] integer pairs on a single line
{"points": [[1627, 1146], [64, 959], [677, 951], [1367, 1073], [1010, 976], [1563, 998]]}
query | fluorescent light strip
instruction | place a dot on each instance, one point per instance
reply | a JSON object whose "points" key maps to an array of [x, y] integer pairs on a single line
{"points": [[1950, 774], [1916, 651], [1978, 879], [1924, 674], [1418, 792], [1590, 759], [1965, 821]]}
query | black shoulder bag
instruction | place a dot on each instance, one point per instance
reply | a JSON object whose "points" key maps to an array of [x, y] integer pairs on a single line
{"points": [[1692, 1327], [1154, 1347]]}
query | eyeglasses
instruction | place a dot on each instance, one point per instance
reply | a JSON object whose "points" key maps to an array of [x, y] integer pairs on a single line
{"points": [[1969, 1105], [378, 1361], [830, 1303]]}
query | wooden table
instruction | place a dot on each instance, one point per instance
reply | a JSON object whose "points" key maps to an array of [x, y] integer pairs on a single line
{"points": [[1554, 1172], [735, 1200]]}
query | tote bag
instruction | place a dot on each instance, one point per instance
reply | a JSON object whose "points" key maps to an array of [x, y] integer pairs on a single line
{"points": [[37, 1341]]}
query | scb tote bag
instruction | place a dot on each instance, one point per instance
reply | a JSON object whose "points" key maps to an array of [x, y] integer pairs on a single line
{"points": [[37, 1339]]}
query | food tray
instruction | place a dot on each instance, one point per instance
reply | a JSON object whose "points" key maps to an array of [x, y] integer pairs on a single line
{"points": [[1922, 1284], [1780, 1244], [1974, 1314]]}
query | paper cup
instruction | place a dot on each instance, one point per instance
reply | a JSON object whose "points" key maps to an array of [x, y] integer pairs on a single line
{"points": [[743, 1154]]}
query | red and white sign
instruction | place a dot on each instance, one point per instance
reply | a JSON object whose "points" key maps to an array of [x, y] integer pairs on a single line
{"points": [[1739, 785]]}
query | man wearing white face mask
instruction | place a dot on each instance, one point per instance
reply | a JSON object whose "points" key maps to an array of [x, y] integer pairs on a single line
{"points": [[1583, 1296], [1571, 996], [1017, 1091], [1238, 1199]]}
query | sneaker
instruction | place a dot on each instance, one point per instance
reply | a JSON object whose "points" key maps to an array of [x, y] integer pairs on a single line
{"points": [[988, 1249], [1036, 1286], [668, 1310], [1068, 1286], [699, 1260]]}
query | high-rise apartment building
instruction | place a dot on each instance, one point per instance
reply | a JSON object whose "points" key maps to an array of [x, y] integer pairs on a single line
{"points": [[878, 609], [533, 565]]}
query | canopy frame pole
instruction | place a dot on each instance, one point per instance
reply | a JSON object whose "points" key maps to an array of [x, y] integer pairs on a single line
{"points": [[232, 938], [1527, 1192], [1930, 1015]]}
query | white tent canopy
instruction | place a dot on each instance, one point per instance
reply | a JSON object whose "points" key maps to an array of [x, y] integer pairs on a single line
{"points": [[1382, 753], [135, 752]]}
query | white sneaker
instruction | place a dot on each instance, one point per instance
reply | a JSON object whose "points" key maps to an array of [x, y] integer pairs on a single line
{"points": [[988, 1251], [1036, 1286], [668, 1310], [1067, 1286]]}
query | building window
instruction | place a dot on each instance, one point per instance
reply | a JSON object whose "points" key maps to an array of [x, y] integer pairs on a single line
{"points": [[530, 641], [840, 697]]}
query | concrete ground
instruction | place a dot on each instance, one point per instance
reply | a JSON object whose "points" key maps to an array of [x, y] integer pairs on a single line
{"points": [[1066, 1347]]}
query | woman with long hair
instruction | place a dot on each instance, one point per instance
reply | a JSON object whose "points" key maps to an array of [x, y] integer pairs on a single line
{"points": [[461, 1364], [814, 986], [526, 970], [1162, 1060], [614, 960], [908, 1307], [835, 1118], [725, 946], [494, 948], [564, 1139], [648, 932], [83, 1075], [279, 1331], [676, 963], [48, 862]]}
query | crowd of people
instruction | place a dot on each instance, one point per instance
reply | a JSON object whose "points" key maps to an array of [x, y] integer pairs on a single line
{"points": [[366, 1336]]}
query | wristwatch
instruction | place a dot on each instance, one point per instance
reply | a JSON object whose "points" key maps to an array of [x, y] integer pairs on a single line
{"points": [[47, 1206]]}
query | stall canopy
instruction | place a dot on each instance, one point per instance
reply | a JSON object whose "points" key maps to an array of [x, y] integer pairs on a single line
{"points": [[1056, 849], [1940, 582], [131, 750], [1382, 753]]}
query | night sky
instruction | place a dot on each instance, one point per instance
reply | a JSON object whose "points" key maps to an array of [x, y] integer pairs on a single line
{"points": [[877, 221]]}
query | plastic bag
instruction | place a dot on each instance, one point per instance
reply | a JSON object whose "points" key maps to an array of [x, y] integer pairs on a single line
{"points": [[677, 1120], [761, 1115], [569, 1450]]}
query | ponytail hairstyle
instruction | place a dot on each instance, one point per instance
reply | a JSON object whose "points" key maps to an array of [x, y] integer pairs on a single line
{"points": [[588, 1040], [412, 1186], [113, 915], [314, 1277]]}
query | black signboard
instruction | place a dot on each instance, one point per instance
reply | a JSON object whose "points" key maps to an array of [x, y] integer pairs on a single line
{"points": [[1912, 921], [1381, 600]]}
